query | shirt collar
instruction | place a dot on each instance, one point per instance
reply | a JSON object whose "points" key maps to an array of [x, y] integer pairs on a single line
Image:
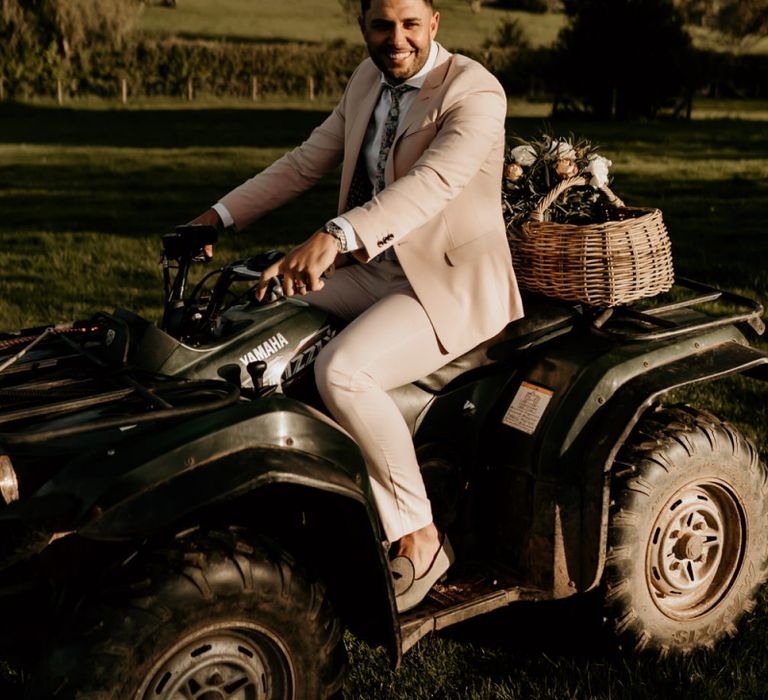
{"points": [[417, 80]]}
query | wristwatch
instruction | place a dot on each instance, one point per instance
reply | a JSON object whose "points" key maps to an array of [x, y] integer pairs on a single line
{"points": [[338, 233]]}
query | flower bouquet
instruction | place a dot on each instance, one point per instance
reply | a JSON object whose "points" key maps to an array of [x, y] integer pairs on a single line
{"points": [[533, 168], [570, 236]]}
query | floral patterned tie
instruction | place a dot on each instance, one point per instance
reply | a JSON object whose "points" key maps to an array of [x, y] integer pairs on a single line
{"points": [[390, 127]]}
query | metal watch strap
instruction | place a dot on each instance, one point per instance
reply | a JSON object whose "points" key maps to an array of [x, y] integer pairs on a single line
{"points": [[338, 233]]}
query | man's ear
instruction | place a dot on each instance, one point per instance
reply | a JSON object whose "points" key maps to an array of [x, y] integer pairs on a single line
{"points": [[434, 24], [361, 23]]}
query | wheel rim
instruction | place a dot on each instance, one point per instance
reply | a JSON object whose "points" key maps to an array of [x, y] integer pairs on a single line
{"points": [[232, 661], [696, 548]]}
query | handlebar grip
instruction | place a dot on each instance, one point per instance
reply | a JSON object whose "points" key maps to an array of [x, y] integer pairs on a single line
{"points": [[189, 241]]}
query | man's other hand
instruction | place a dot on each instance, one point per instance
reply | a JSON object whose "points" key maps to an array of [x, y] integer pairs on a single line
{"points": [[303, 267]]}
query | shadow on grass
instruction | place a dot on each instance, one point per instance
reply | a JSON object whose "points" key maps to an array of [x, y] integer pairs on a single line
{"points": [[187, 125], [59, 198], [156, 128]]}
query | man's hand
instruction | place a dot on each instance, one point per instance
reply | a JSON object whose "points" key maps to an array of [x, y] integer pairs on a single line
{"points": [[208, 218], [303, 266]]}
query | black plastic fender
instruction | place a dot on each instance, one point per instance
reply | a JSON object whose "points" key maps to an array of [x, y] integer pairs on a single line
{"points": [[262, 464], [560, 422], [608, 430]]}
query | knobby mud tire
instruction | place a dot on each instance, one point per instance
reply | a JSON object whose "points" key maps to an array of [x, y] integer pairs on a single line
{"points": [[687, 533], [220, 609]]}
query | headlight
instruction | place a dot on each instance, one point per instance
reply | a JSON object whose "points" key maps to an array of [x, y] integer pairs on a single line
{"points": [[9, 484]]}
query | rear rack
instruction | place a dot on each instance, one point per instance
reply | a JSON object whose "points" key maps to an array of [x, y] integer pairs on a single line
{"points": [[664, 319]]}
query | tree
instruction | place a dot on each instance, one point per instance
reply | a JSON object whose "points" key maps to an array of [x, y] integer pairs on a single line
{"points": [[736, 19], [623, 58], [75, 23], [40, 38], [68, 24]]}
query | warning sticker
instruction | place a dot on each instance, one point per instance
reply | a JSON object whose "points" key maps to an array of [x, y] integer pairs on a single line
{"points": [[527, 408]]}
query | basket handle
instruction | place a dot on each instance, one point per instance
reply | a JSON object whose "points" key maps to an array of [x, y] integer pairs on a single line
{"points": [[538, 213]]}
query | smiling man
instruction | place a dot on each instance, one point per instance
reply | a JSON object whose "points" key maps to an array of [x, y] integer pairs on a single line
{"points": [[399, 44], [420, 134]]}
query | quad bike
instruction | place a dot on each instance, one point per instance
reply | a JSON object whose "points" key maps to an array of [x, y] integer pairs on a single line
{"points": [[175, 496]]}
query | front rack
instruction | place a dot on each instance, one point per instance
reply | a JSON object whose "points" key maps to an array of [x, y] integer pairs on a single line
{"points": [[48, 396]]}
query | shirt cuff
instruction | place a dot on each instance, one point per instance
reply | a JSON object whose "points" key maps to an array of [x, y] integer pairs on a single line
{"points": [[353, 242], [224, 215]]}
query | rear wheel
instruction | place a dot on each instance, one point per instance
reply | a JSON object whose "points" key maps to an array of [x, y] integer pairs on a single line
{"points": [[687, 533], [219, 618]]}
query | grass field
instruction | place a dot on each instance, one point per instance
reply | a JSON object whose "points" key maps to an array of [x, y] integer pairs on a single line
{"points": [[324, 20], [86, 190]]}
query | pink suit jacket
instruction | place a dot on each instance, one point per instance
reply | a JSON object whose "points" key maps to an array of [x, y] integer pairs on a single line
{"points": [[441, 207]]}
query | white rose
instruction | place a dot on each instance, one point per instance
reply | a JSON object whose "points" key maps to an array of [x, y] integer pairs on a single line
{"points": [[598, 168], [562, 150], [524, 155]]}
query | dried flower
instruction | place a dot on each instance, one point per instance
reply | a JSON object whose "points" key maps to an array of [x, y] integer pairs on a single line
{"points": [[563, 150], [524, 155], [566, 168], [598, 167], [535, 166], [513, 171]]}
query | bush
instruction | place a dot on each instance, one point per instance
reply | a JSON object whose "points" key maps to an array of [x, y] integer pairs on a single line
{"points": [[510, 33], [164, 67]]}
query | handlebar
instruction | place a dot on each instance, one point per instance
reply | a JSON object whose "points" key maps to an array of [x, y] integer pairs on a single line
{"points": [[186, 315]]}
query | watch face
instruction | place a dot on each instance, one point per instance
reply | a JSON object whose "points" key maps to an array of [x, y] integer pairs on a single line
{"points": [[338, 233]]}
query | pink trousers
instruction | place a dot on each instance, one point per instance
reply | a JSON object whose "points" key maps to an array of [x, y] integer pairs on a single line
{"points": [[389, 342]]}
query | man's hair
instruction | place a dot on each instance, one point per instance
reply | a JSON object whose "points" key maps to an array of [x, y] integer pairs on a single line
{"points": [[365, 4]]}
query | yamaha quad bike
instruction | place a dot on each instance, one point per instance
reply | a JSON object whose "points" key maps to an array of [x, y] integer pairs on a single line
{"points": [[182, 519]]}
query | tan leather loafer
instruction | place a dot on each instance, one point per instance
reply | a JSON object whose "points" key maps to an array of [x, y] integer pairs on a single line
{"points": [[409, 591]]}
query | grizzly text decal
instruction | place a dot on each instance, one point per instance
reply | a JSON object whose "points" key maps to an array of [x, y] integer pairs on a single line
{"points": [[307, 357]]}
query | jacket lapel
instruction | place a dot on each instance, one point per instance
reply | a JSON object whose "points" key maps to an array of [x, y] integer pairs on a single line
{"points": [[421, 106], [423, 102]]}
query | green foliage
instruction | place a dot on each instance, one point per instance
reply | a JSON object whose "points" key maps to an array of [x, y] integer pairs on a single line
{"points": [[70, 24], [164, 67], [510, 33], [737, 18], [623, 58], [39, 38], [595, 71], [77, 23]]}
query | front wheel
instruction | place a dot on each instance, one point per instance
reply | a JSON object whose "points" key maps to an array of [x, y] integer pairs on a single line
{"points": [[687, 532], [220, 616]]}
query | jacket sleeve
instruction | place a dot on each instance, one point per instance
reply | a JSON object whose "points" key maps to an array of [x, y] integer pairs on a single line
{"points": [[290, 175], [468, 130]]}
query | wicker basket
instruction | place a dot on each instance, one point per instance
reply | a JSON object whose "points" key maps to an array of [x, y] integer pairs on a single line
{"points": [[601, 264]]}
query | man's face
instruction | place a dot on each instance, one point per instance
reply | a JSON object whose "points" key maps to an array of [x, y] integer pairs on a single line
{"points": [[398, 34]]}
